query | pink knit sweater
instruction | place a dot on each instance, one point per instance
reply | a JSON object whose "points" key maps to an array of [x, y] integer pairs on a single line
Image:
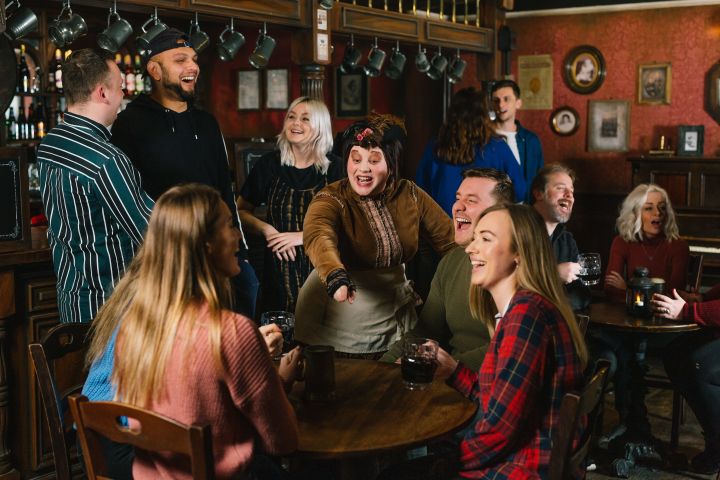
{"points": [[247, 409]]}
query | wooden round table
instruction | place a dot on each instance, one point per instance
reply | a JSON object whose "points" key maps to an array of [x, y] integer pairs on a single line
{"points": [[373, 413], [614, 315]]}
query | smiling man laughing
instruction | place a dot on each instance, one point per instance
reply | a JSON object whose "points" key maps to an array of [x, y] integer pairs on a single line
{"points": [[171, 142], [553, 197]]}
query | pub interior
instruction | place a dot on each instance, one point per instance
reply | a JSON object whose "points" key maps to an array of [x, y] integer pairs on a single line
{"points": [[647, 113]]}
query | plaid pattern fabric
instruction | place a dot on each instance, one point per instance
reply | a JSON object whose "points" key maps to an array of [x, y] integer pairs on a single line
{"points": [[97, 213], [530, 364]]}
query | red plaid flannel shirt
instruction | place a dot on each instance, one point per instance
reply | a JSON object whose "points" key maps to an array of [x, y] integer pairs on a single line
{"points": [[530, 364]]}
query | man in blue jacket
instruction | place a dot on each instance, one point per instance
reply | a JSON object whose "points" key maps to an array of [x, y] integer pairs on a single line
{"points": [[524, 144]]}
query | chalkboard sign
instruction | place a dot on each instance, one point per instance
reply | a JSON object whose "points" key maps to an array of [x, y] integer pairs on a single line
{"points": [[14, 207]]}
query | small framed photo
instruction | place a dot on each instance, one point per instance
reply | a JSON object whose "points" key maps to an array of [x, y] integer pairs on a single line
{"points": [[584, 69], [690, 140], [351, 94], [277, 88], [564, 121], [608, 125], [248, 90], [654, 83]]}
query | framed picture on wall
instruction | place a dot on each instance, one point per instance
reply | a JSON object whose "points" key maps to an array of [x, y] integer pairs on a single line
{"points": [[690, 140], [564, 121], [248, 90], [584, 69], [352, 94], [277, 88], [654, 83], [608, 125]]}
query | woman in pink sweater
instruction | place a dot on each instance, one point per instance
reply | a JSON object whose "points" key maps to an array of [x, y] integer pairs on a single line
{"points": [[180, 350]]}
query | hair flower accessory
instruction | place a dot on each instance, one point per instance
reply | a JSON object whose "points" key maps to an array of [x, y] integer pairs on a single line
{"points": [[361, 136]]}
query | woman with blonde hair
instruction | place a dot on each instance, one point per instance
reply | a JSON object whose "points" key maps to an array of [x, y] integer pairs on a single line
{"points": [[178, 350], [466, 139], [648, 237], [536, 355], [286, 181]]}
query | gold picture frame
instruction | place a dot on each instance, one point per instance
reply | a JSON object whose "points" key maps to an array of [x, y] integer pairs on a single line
{"points": [[654, 83]]}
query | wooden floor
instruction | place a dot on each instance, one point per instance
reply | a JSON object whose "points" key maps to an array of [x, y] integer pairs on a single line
{"points": [[660, 407]]}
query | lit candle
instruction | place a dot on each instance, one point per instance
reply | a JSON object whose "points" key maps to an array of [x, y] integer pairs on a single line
{"points": [[639, 300]]}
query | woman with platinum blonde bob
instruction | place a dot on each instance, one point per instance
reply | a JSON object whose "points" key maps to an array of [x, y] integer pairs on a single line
{"points": [[286, 180], [647, 237], [181, 352], [536, 355]]}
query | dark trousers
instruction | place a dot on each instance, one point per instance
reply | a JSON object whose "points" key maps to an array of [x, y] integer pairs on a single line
{"points": [[118, 458], [692, 362]]}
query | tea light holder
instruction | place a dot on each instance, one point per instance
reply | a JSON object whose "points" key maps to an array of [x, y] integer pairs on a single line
{"points": [[639, 292]]}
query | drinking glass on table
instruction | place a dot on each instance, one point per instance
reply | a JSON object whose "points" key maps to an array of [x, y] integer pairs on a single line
{"points": [[589, 268], [286, 322], [419, 362]]}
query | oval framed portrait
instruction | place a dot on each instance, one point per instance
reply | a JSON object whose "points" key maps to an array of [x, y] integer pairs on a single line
{"points": [[564, 121], [584, 69]]}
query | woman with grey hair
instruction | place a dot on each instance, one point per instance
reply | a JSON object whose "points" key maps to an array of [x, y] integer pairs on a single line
{"points": [[647, 237], [286, 180]]}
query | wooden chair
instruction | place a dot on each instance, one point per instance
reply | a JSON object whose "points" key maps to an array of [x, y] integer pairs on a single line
{"points": [[564, 459], [156, 433], [695, 271], [60, 341]]}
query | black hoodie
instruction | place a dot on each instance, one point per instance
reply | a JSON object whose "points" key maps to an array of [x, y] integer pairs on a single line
{"points": [[170, 148]]}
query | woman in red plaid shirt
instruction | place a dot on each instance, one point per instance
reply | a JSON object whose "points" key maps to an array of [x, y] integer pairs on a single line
{"points": [[536, 355]]}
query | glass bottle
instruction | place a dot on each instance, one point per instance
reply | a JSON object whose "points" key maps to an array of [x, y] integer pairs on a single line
{"points": [[30, 129], [24, 77], [12, 126], [129, 75], [40, 121], [139, 78], [58, 71], [22, 125]]}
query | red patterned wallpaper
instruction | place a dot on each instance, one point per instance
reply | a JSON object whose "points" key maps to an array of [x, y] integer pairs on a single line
{"points": [[689, 38]]}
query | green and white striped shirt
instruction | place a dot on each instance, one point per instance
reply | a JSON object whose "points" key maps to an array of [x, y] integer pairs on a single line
{"points": [[97, 213]]}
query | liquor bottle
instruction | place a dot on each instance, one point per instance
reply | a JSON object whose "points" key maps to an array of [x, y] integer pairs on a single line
{"points": [[40, 121], [139, 78], [58, 71], [24, 77], [129, 75], [31, 132], [36, 81], [12, 126], [22, 125]]}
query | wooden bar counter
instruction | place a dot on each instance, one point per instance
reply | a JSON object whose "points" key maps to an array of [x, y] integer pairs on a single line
{"points": [[28, 309]]}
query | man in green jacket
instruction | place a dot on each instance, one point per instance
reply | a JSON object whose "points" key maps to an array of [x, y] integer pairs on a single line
{"points": [[446, 317]]}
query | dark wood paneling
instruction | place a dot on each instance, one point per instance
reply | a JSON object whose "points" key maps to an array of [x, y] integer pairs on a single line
{"points": [[461, 36], [710, 190], [677, 185], [378, 22]]}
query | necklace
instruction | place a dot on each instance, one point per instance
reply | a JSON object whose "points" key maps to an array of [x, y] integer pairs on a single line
{"points": [[651, 257]]}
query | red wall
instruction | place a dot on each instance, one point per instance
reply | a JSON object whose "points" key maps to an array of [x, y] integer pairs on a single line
{"points": [[689, 38]]}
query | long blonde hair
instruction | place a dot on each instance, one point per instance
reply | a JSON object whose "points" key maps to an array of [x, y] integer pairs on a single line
{"points": [[536, 272], [629, 222], [322, 141], [169, 279]]}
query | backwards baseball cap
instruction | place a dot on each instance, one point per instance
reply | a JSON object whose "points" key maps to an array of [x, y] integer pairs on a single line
{"points": [[167, 40]]}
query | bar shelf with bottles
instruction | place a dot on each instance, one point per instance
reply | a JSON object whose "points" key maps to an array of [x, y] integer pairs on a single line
{"points": [[34, 109]]}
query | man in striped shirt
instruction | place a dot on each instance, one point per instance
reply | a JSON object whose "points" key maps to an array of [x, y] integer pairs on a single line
{"points": [[92, 194]]}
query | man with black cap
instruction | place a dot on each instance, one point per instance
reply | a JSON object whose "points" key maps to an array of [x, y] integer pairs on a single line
{"points": [[172, 142]]}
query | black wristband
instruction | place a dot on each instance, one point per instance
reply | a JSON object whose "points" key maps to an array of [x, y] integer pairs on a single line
{"points": [[337, 279]]}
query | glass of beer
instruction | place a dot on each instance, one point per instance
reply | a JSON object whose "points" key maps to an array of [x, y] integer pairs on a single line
{"points": [[589, 268], [286, 322], [419, 361]]}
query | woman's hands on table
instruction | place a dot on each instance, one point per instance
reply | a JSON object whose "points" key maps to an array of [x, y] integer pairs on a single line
{"points": [[291, 367], [446, 364], [667, 307], [614, 279]]}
